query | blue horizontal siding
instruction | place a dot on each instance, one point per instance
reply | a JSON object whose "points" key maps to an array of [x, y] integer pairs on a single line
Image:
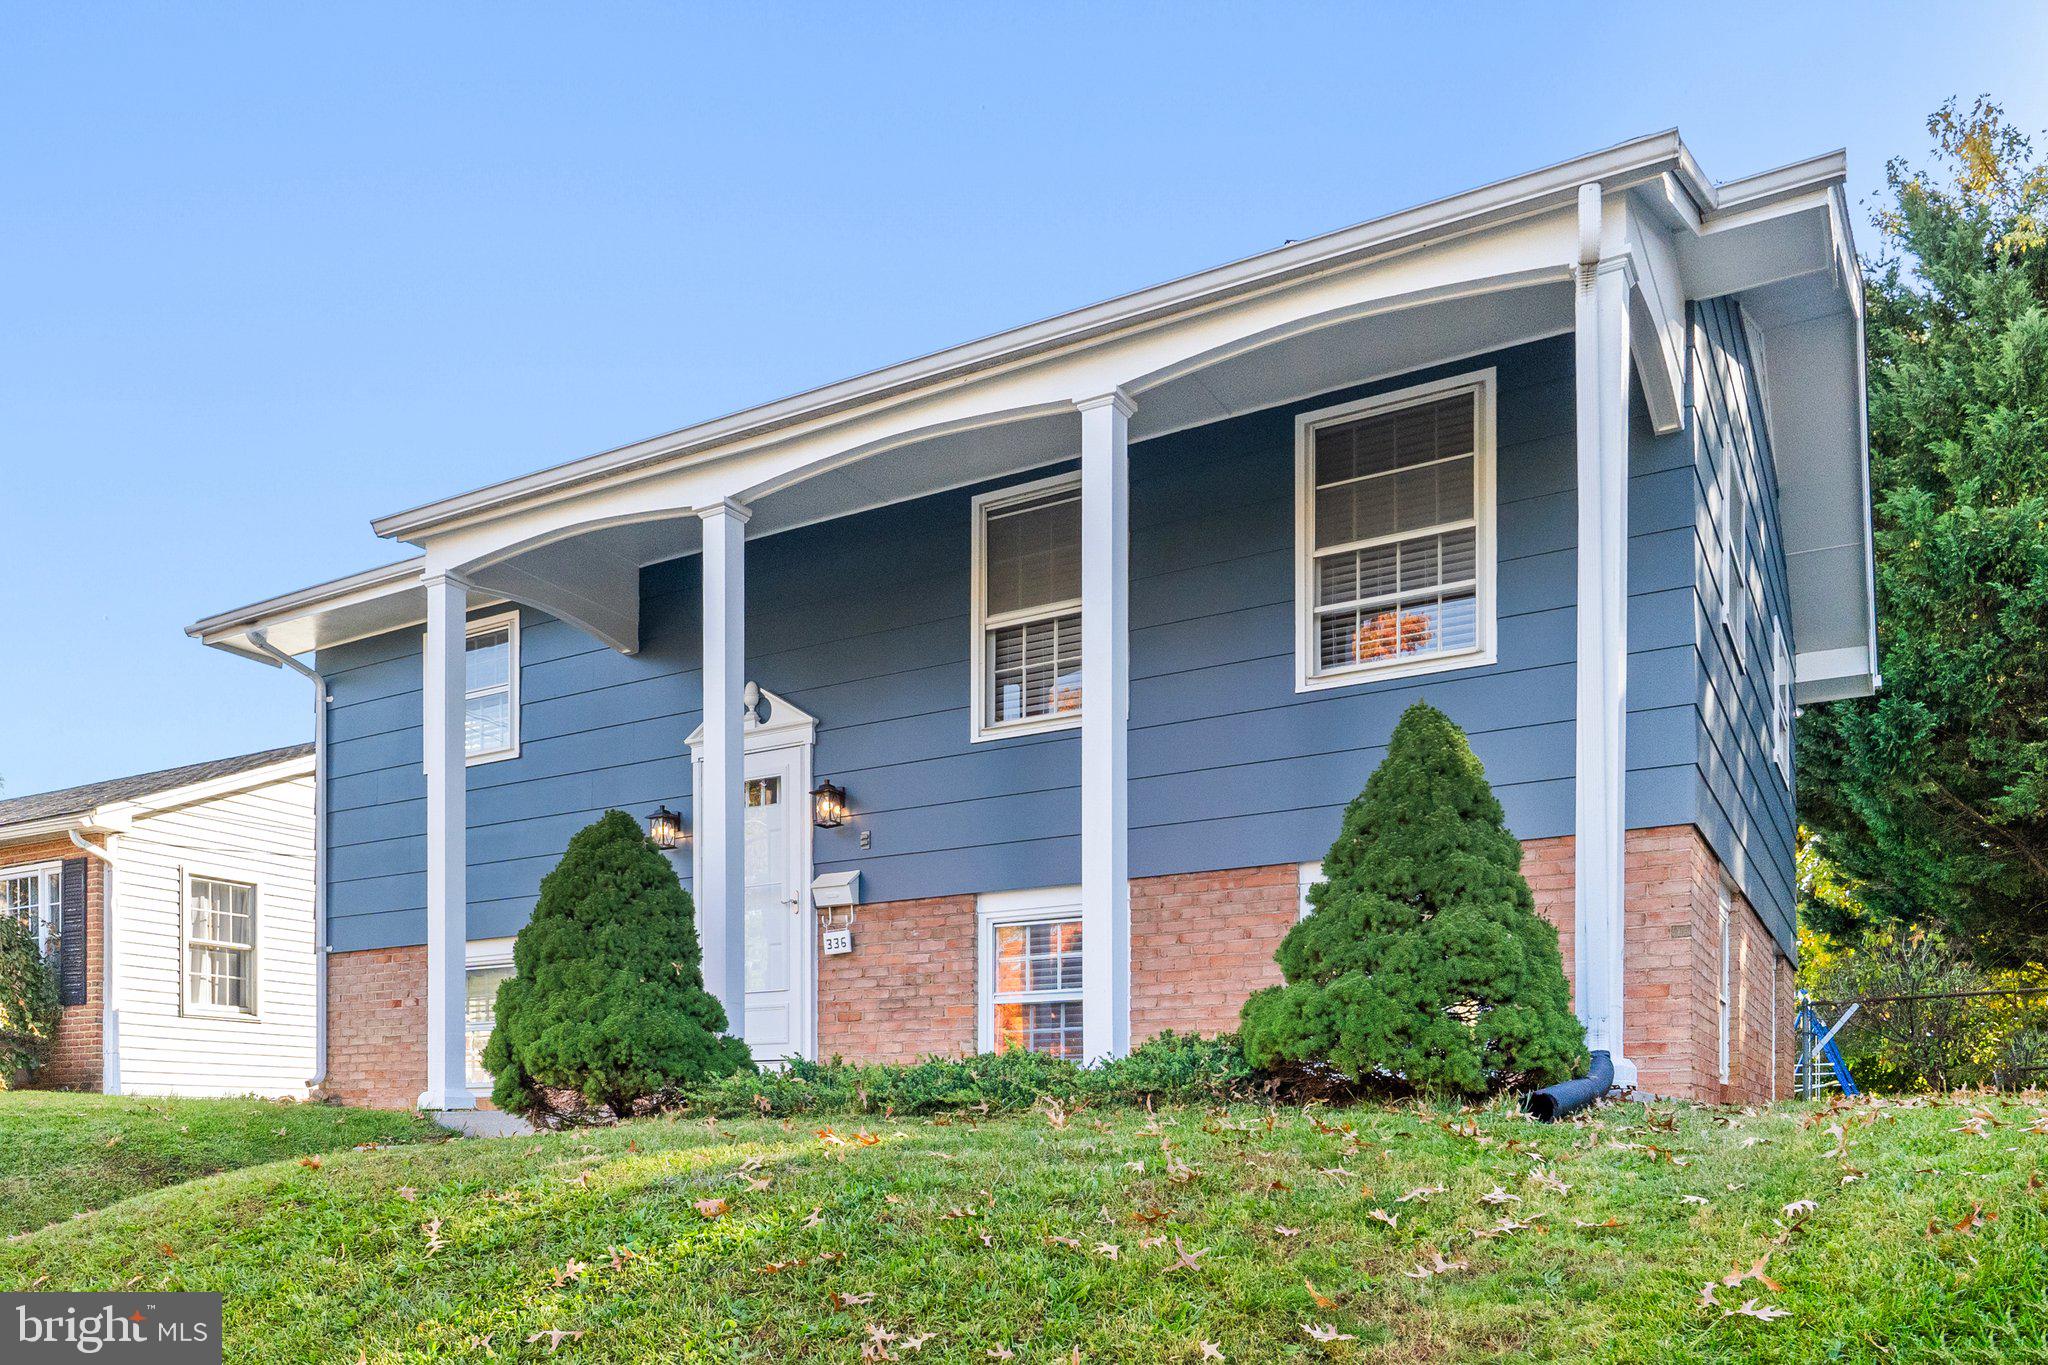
{"points": [[1230, 765]]}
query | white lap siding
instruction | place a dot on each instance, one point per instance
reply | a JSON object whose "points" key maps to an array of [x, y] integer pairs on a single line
{"points": [[262, 836]]}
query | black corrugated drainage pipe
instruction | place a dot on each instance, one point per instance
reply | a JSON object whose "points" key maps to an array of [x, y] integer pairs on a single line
{"points": [[1553, 1102]]}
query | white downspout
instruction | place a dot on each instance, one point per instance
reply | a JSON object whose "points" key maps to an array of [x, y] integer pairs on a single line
{"points": [[110, 1016], [320, 701]]}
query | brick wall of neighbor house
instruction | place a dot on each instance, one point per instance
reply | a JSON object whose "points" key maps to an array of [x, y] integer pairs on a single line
{"points": [[377, 1027], [907, 988], [77, 1060]]}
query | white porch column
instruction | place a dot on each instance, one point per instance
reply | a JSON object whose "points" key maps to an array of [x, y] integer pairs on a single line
{"points": [[720, 814], [1105, 717], [1602, 361], [447, 769]]}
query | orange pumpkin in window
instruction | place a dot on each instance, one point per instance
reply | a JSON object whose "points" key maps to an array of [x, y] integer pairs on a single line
{"points": [[1387, 634]]}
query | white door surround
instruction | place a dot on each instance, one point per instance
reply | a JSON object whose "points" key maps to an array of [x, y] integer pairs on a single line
{"points": [[777, 737]]}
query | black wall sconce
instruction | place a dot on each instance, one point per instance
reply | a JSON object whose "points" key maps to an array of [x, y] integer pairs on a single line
{"points": [[665, 828], [828, 805]]}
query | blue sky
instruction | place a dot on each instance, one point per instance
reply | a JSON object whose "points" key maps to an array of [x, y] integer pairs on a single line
{"points": [[273, 270]]}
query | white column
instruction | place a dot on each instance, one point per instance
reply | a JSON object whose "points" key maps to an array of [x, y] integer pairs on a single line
{"points": [[1602, 359], [720, 814], [1105, 719], [447, 769]]}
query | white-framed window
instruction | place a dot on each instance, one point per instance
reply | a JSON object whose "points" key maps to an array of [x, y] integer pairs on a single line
{"points": [[1734, 553], [1783, 710], [1306, 875], [1722, 1003], [1031, 972], [490, 721], [220, 945], [488, 964], [33, 896], [1394, 534], [1027, 608]]}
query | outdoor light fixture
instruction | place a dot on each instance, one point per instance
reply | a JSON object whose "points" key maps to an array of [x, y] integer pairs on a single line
{"points": [[665, 828], [828, 805]]}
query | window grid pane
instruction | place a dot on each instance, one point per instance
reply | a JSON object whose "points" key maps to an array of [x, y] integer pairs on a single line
{"points": [[1036, 990], [480, 1007], [1405, 483], [220, 977], [487, 721], [223, 913], [1032, 553], [1035, 669]]}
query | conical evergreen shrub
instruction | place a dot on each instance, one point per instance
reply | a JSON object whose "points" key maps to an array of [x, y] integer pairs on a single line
{"points": [[608, 1002], [1423, 963]]}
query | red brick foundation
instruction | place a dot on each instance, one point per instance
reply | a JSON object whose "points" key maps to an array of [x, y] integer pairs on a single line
{"points": [[377, 1027], [907, 989], [1202, 942], [77, 1059]]}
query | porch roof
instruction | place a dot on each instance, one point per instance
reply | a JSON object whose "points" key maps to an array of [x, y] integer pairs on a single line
{"points": [[1478, 270]]}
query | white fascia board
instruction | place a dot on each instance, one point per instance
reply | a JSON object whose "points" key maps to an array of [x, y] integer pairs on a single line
{"points": [[119, 815], [1629, 163]]}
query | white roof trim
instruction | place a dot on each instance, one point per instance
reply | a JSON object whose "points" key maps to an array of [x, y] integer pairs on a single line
{"points": [[113, 817]]}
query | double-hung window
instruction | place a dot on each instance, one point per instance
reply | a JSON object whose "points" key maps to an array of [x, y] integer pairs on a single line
{"points": [[1734, 552], [489, 966], [220, 946], [1031, 973], [31, 896], [490, 726], [1782, 708], [1027, 608], [1394, 536]]}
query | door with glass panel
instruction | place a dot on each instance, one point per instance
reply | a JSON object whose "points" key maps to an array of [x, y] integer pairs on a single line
{"points": [[778, 910]]}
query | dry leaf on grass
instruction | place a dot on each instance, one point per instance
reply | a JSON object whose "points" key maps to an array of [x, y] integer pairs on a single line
{"points": [[1325, 1332], [710, 1208]]}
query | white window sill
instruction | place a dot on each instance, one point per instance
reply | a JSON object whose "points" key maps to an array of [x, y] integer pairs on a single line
{"points": [[494, 756], [1372, 673], [1041, 725]]}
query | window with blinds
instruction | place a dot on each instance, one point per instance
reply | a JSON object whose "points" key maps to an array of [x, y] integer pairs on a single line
{"points": [[1397, 525], [1028, 608]]}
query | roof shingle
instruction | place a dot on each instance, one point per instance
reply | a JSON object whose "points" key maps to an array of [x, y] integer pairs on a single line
{"points": [[77, 800]]}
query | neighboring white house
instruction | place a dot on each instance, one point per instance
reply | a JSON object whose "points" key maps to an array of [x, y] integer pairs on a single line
{"points": [[178, 907]]}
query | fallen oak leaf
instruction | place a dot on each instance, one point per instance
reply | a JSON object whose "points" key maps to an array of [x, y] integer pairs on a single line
{"points": [[1392, 1220], [555, 1336], [1750, 1308], [1325, 1332], [1317, 1296], [710, 1208], [1211, 1350], [839, 1300]]}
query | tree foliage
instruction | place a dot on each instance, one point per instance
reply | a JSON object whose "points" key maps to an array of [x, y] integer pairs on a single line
{"points": [[1423, 964], [1932, 796], [29, 1006], [607, 1005]]}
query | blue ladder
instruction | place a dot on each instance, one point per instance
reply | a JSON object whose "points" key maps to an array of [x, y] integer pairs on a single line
{"points": [[1816, 1036]]}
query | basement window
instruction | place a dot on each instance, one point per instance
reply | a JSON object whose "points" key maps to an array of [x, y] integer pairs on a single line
{"points": [[1031, 973]]}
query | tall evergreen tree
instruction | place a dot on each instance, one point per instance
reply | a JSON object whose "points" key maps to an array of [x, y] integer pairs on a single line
{"points": [[607, 1002], [1423, 963], [1933, 795]]}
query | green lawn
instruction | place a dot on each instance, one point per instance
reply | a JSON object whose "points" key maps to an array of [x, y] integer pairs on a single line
{"points": [[62, 1154], [1124, 1238]]}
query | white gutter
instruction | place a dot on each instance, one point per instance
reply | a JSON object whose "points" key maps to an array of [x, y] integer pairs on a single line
{"points": [[320, 700]]}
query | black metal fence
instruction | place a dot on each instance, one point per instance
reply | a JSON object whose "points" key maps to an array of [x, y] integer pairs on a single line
{"points": [[1936, 1040]]}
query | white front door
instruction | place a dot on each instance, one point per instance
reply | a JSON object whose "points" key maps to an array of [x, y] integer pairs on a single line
{"points": [[778, 910]]}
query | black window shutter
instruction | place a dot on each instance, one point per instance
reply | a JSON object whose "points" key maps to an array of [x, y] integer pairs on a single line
{"points": [[71, 934]]}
